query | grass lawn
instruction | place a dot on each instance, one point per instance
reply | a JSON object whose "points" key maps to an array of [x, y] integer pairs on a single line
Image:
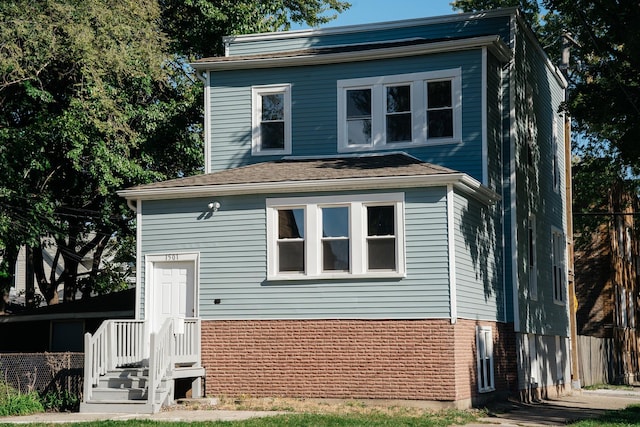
{"points": [[445, 418], [630, 416], [309, 412]]}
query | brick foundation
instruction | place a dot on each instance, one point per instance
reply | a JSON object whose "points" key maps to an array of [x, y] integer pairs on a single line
{"points": [[369, 359]]}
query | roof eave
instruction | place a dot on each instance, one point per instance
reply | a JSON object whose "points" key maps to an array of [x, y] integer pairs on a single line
{"points": [[376, 26], [461, 181], [493, 42]]}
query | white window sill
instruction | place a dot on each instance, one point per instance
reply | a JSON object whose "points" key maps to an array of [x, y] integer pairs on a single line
{"points": [[271, 153], [397, 145], [487, 390], [330, 276]]}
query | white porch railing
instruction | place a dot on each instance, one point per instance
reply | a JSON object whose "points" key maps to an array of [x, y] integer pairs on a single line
{"points": [[162, 345], [115, 343], [187, 344], [119, 343]]}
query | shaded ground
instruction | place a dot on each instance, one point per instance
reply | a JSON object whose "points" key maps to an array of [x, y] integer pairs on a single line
{"points": [[578, 406]]}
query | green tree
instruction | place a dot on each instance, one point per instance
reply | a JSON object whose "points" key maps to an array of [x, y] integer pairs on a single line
{"points": [[96, 96], [604, 74]]}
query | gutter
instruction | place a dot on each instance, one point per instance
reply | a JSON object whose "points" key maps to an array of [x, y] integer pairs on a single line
{"points": [[460, 181]]}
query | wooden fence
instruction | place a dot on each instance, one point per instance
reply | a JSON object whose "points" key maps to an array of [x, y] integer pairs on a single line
{"points": [[596, 360]]}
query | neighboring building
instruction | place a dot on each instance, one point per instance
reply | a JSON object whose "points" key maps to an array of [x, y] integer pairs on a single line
{"points": [[606, 267], [382, 216], [52, 260], [61, 327]]}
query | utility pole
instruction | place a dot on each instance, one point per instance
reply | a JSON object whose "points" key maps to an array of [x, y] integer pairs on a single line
{"points": [[567, 40]]}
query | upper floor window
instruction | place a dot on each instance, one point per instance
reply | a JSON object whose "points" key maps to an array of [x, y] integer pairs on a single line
{"points": [[557, 257], [532, 258], [271, 120], [556, 157], [335, 236], [399, 111]]}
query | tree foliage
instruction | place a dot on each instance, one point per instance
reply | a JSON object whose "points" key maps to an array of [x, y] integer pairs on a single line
{"points": [[196, 27], [604, 73], [96, 96]]}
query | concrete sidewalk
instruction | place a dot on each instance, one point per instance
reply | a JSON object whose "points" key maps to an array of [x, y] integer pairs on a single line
{"points": [[173, 415], [578, 406]]}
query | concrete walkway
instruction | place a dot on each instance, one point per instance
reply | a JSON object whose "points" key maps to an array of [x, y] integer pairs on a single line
{"points": [[173, 415], [579, 405]]}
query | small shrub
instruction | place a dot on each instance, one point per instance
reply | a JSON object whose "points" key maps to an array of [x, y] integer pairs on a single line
{"points": [[12, 402], [59, 400]]}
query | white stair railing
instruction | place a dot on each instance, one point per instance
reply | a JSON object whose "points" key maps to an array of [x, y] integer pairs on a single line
{"points": [[119, 343], [115, 343], [160, 357]]}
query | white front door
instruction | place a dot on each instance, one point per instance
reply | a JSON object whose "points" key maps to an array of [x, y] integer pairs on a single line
{"points": [[174, 292]]}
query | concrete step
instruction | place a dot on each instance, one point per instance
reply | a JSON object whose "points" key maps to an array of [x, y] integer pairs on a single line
{"points": [[129, 372], [123, 382], [100, 394]]}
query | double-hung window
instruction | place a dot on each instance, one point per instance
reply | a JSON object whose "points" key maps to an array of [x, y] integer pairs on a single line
{"points": [[399, 111], [532, 258], [484, 359], [358, 119], [439, 109], [271, 120], [557, 257], [398, 114], [335, 236]]}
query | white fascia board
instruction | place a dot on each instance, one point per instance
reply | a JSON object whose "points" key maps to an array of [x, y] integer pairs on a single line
{"points": [[493, 43], [377, 26], [460, 181]]}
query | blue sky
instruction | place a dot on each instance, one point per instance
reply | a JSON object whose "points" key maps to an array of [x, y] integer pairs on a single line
{"points": [[368, 11]]}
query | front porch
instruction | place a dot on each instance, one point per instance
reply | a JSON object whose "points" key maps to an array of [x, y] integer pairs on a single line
{"points": [[128, 369]]}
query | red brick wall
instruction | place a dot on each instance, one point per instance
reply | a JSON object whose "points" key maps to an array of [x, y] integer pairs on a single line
{"points": [[390, 359]]}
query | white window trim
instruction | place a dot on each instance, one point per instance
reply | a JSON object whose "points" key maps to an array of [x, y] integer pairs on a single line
{"points": [[357, 230], [256, 114], [150, 260], [418, 83], [560, 359], [563, 263], [484, 340], [533, 270], [556, 157]]}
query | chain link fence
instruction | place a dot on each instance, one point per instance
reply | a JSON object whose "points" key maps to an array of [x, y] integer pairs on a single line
{"points": [[43, 372]]}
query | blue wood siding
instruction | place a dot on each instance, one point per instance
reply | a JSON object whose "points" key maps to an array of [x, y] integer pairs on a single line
{"points": [[232, 248], [494, 123], [538, 98], [314, 109], [478, 250], [302, 40]]}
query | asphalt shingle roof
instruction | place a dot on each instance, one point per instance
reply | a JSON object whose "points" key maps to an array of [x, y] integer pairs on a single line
{"points": [[309, 169]]}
